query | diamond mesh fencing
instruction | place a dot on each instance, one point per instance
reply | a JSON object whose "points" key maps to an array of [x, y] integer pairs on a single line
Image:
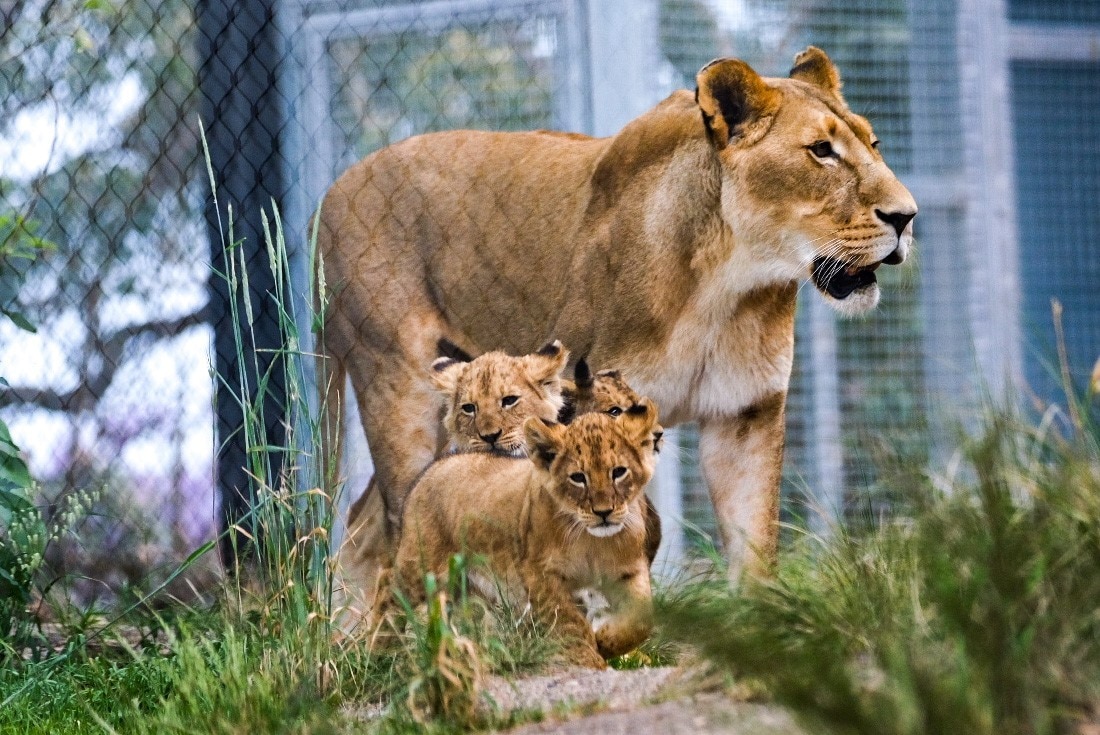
{"points": [[119, 321]]}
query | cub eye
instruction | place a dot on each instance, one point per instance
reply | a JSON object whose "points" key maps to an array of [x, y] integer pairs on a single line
{"points": [[509, 401], [578, 478], [822, 149], [468, 408], [618, 472], [614, 411]]}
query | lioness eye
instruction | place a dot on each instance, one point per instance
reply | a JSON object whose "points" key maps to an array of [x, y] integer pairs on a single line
{"points": [[874, 144], [577, 478], [822, 149], [618, 472], [615, 411], [509, 401], [468, 408]]}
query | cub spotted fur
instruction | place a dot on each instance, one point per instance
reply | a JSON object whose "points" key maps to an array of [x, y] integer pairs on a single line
{"points": [[607, 392], [486, 402], [488, 399], [569, 517]]}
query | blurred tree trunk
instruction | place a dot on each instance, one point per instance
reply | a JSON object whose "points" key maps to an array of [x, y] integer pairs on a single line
{"points": [[241, 56]]}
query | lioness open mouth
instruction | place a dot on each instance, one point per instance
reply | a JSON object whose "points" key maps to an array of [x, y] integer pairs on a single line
{"points": [[840, 279]]}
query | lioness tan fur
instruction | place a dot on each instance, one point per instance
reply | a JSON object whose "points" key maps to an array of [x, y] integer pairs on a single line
{"points": [[672, 250], [486, 402], [571, 517]]}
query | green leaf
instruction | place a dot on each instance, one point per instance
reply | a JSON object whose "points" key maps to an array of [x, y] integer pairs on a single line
{"points": [[19, 320], [14, 474]]}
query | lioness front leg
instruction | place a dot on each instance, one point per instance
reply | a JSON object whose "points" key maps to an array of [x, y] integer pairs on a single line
{"points": [[552, 603], [742, 462], [631, 617]]}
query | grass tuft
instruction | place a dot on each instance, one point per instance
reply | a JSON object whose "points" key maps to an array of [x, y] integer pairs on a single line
{"points": [[976, 613]]}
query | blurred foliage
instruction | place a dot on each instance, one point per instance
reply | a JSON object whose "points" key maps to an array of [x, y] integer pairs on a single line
{"points": [[107, 87], [975, 613], [497, 76]]}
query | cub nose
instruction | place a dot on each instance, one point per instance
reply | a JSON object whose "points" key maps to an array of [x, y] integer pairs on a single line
{"points": [[897, 220], [490, 438], [603, 514]]}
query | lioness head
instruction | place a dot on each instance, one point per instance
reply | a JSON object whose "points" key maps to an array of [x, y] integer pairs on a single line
{"points": [[802, 171], [597, 465], [489, 398]]}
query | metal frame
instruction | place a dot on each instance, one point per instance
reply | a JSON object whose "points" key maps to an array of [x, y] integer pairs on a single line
{"points": [[990, 219]]}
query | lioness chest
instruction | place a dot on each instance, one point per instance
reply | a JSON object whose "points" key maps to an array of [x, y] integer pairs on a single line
{"points": [[719, 358]]}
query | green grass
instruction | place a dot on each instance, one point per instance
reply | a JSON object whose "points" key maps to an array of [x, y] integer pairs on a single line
{"points": [[264, 658], [976, 612]]}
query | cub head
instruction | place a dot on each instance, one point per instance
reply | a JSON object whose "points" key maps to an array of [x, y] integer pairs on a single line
{"points": [[602, 392], [597, 466], [803, 175], [488, 398]]}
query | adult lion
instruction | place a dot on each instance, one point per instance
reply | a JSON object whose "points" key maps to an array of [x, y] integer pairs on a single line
{"points": [[671, 251]]}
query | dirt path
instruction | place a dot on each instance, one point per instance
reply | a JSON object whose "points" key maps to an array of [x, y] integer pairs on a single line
{"points": [[583, 702]]}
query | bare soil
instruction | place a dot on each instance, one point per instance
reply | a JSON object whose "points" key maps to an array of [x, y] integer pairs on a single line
{"points": [[650, 700]]}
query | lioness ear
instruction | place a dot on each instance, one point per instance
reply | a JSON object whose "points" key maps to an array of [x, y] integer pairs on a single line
{"points": [[814, 66], [543, 441], [639, 421], [736, 102], [547, 363], [445, 373]]}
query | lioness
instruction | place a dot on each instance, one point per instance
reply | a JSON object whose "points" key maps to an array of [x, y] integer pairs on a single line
{"points": [[569, 518], [672, 250]]}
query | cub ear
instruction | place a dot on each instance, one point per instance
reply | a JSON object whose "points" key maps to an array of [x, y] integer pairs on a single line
{"points": [[445, 373], [814, 66], [543, 441], [447, 348], [582, 376], [640, 420], [736, 102], [547, 363]]}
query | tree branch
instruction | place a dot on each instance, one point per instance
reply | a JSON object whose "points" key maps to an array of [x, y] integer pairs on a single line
{"points": [[88, 393]]}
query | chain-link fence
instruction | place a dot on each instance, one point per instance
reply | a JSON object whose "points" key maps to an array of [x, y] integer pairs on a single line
{"points": [[989, 114]]}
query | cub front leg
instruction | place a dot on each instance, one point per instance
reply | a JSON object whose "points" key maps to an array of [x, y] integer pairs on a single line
{"points": [[552, 603], [631, 617], [742, 462]]}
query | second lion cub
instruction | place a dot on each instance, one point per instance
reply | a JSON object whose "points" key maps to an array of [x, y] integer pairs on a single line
{"points": [[570, 517]]}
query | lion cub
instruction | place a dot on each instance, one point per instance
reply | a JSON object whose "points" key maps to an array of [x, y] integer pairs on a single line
{"points": [[569, 517], [488, 398]]}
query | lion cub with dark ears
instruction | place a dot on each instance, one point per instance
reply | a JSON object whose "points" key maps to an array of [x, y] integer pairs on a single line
{"points": [[567, 518]]}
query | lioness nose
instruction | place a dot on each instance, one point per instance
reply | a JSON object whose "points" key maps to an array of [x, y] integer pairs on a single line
{"points": [[603, 514], [490, 438], [897, 220]]}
